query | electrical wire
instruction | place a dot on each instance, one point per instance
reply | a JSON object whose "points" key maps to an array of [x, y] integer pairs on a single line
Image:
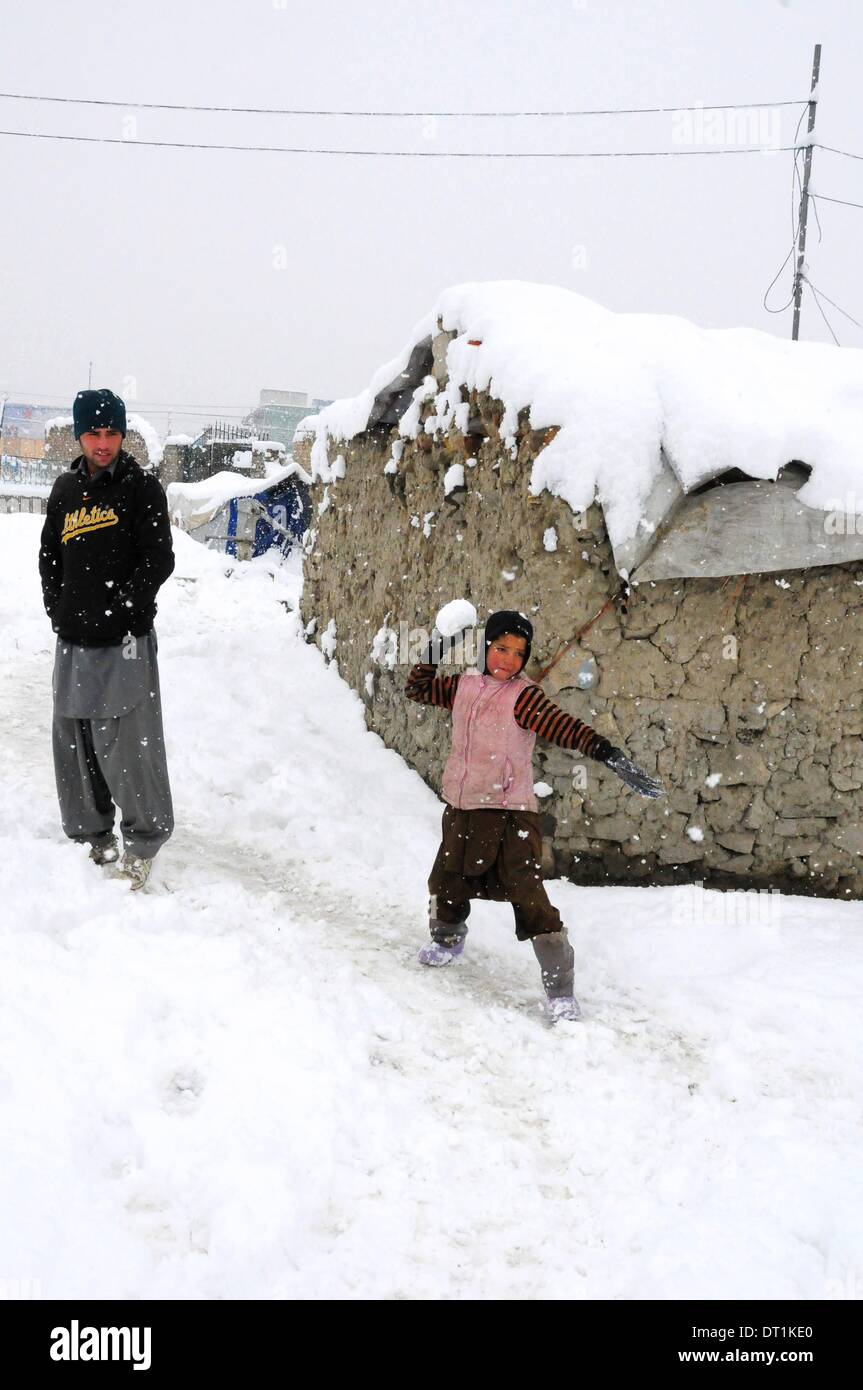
{"points": [[796, 201], [396, 154], [833, 150], [844, 201], [390, 115], [821, 311], [832, 302], [795, 206]]}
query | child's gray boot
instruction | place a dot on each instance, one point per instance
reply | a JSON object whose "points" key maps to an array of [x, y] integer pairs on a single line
{"points": [[447, 942], [557, 963]]}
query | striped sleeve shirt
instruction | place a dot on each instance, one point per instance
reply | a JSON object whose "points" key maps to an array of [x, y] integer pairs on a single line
{"points": [[428, 688], [533, 711]]}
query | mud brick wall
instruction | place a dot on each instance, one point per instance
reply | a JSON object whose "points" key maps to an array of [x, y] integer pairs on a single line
{"points": [[743, 694]]}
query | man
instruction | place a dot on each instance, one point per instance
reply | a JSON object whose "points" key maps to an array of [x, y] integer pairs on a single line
{"points": [[106, 551]]}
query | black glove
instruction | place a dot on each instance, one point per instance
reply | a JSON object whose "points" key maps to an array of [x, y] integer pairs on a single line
{"points": [[634, 776]]}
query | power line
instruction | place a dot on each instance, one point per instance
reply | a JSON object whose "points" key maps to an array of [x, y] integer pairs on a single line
{"points": [[135, 407], [400, 154], [392, 115], [833, 303], [821, 311], [844, 201], [832, 150], [764, 303], [795, 208], [187, 407]]}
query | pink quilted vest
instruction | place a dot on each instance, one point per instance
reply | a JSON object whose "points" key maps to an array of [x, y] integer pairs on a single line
{"points": [[490, 766]]}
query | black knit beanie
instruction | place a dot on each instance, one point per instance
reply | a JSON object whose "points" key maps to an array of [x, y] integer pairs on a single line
{"points": [[496, 624], [98, 410]]}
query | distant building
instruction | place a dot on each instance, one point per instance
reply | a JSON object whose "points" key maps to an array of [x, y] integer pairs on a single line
{"points": [[22, 428], [278, 413], [218, 448]]}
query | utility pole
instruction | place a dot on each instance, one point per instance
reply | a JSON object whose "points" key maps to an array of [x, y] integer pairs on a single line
{"points": [[804, 196]]}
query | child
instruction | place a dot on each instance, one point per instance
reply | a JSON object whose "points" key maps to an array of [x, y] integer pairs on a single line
{"points": [[492, 839]]}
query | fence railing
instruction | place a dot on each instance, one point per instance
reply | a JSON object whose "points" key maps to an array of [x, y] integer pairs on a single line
{"points": [[28, 472], [223, 433]]}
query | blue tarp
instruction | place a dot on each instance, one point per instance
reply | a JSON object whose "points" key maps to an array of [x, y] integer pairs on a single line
{"points": [[287, 503]]}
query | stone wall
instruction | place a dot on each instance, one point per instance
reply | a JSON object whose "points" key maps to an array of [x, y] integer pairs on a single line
{"points": [[62, 448], [743, 694]]}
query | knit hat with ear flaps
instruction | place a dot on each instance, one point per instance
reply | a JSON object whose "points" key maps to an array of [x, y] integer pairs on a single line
{"points": [[98, 410], [496, 624]]}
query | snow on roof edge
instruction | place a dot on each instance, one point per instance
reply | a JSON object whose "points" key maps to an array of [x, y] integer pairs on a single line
{"points": [[628, 389]]}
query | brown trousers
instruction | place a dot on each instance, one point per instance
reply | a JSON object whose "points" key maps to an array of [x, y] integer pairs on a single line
{"points": [[494, 856]]}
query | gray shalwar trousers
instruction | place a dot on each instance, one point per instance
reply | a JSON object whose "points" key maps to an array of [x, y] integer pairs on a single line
{"points": [[102, 759]]}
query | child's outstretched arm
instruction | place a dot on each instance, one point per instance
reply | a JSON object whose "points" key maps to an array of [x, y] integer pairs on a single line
{"points": [[424, 684], [534, 710]]}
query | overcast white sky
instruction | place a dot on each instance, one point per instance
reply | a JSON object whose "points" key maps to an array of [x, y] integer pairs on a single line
{"points": [[195, 277]]}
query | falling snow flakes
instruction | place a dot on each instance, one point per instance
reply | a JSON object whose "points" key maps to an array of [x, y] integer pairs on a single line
{"points": [[542, 789], [549, 538], [695, 833], [427, 524], [713, 779]]}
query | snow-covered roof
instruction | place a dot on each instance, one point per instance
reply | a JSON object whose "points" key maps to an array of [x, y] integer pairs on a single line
{"points": [[149, 436], [197, 502], [306, 426], [650, 407]]}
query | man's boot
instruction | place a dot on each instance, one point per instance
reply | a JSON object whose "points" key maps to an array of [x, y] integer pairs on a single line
{"points": [[134, 870], [105, 849]]}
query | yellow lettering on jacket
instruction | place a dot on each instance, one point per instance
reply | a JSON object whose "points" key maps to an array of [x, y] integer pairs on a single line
{"points": [[85, 519]]}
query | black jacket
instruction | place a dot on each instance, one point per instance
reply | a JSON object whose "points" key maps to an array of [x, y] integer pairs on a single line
{"points": [[106, 550]]}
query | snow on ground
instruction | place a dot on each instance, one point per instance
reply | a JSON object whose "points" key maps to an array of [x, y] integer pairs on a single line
{"points": [[240, 1084]]}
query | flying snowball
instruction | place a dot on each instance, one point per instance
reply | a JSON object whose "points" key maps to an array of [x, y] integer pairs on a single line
{"points": [[454, 617]]}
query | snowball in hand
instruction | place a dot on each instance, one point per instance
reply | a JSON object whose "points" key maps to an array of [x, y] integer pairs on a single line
{"points": [[454, 617]]}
